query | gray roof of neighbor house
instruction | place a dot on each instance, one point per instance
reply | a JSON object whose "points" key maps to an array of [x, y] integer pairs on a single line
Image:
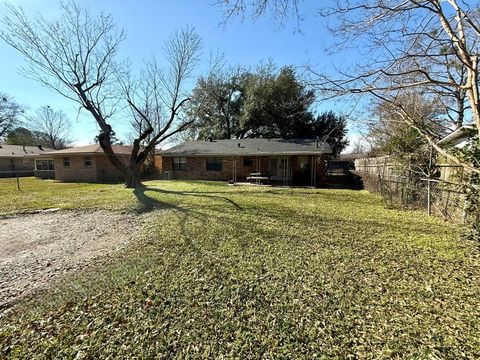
{"points": [[17, 151], [249, 147], [463, 132], [91, 150]]}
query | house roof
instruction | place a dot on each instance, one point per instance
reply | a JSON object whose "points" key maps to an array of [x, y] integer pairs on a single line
{"points": [[16, 151], [463, 132], [90, 150], [249, 147]]}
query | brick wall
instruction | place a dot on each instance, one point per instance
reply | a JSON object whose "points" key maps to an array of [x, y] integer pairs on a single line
{"points": [[158, 164], [197, 168], [77, 170], [100, 171], [106, 172]]}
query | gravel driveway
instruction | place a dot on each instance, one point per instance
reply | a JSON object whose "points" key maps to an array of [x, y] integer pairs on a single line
{"points": [[36, 248]]}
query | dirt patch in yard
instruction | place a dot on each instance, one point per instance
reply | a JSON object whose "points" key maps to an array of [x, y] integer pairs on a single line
{"points": [[37, 248]]}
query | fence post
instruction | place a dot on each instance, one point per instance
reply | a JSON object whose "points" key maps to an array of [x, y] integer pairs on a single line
{"points": [[429, 183], [429, 197]]}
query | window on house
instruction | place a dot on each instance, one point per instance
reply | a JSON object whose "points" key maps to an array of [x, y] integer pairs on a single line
{"points": [[247, 161], [179, 163], [87, 161], [26, 162], [44, 164], [50, 165], [66, 162], [41, 164], [214, 163]]}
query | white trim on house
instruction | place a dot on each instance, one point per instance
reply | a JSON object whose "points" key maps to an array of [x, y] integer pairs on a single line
{"points": [[458, 136], [49, 162]]}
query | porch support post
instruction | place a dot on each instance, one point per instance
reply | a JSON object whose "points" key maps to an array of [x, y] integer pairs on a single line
{"points": [[311, 170], [286, 170], [234, 159], [258, 170]]}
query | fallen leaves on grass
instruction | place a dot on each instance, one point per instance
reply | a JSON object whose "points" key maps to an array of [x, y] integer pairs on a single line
{"points": [[340, 278]]}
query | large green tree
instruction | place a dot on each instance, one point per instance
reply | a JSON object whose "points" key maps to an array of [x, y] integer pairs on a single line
{"points": [[23, 136], [276, 105], [328, 127], [261, 103], [216, 104]]}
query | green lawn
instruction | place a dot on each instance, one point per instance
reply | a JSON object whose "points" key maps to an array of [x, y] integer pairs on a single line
{"points": [[37, 194], [247, 272]]}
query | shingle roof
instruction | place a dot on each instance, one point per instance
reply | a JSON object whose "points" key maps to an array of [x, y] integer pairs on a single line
{"points": [[92, 149], [21, 151], [249, 147]]}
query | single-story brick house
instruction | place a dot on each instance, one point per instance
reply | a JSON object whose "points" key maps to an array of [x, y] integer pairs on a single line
{"points": [[82, 164], [280, 161], [15, 160]]}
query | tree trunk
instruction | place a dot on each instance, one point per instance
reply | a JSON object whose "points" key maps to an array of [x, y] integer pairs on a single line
{"points": [[132, 178]]}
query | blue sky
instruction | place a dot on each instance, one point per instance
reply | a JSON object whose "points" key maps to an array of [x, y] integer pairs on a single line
{"points": [[148, 23]]}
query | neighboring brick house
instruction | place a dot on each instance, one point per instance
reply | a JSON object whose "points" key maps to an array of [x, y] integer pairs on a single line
{"points": [[285, 162], [82, 164], [16, 160]]}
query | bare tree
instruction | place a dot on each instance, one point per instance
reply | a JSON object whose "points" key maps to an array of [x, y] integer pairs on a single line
{"points": [[157, 97], [9, 114], [426, 46], [388, 133], [280, 10], [75, 55], [53, 125], [429, 46]]}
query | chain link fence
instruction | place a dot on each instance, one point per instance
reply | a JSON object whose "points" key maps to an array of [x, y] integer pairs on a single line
{"points": [[405, 188], [434, 196]]}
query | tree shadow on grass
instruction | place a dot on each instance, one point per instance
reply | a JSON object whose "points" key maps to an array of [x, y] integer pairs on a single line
{"points": [[147, 203], [192, 193]]}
